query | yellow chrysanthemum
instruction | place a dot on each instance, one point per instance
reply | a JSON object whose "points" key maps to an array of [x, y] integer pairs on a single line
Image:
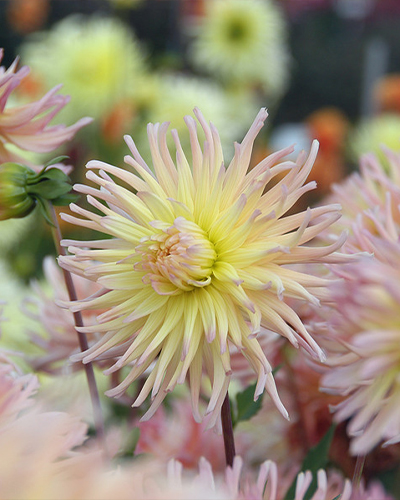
{"points": [[197, 262], [96, 58]]}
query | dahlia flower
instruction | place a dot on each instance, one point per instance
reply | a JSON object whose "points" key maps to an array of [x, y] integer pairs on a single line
{"points": [[359, 333], [15, 390], [269, 484], [237, 485], [27, 126], [97, 59], [365, 362], [372, 133], [173, 433], [197, 262], [386, 94], [47, 447], [374, 189], [243, 41]]}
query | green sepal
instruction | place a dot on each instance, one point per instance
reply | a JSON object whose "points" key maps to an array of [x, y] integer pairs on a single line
{"points": [[49, 189], [43, 207], [65, 199]]}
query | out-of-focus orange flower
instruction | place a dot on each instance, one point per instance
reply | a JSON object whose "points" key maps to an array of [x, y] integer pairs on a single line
{"points": [[116, 122], [329, 126], [193, 9], [26, 16], [387, 93]]}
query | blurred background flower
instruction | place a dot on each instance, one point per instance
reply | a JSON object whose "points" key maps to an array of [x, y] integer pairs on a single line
{"points": [[96, 58], [243, 43]]}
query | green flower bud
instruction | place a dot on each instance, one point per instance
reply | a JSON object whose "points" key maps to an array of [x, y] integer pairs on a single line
{"points": [[21, 189], [15, 202]]}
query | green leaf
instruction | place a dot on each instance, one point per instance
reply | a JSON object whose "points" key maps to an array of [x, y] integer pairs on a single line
{"points": [[246, 407], [58, 159], [316, 458]]}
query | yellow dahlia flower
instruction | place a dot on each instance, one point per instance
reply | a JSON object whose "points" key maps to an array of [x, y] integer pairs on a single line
{"points": [[97, 59], [197, 262], [243, 41]]}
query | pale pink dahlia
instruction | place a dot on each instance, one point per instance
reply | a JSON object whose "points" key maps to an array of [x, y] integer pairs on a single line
{"points": [[376, 188], [175, 434], [363, 327], [27, 126], [197, 262], [365, 360]]}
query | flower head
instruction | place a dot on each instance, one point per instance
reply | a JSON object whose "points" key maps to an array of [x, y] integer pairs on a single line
{"points": [[175, 434], [197, 262], [371, 133], [243, 41], [96, 58], [238, 484], [369, 200], [386, 93], [27, 126], [361, 329], [365, 363]]}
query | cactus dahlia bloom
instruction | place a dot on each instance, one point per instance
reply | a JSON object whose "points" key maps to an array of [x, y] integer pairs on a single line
{"points": [[27, 126], [365, 362], [197, 262], [377, 185]]}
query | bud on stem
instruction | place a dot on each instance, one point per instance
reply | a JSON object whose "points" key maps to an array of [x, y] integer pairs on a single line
{"points": [[22, 189]]}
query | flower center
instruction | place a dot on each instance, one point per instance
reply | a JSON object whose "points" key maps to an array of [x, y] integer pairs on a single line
{"points": [[237, 31], [178, 257]]}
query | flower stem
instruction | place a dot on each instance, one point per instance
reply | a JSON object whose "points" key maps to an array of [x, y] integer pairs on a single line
{"points": [[227, 430], [83, 343], [358, 470]]}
